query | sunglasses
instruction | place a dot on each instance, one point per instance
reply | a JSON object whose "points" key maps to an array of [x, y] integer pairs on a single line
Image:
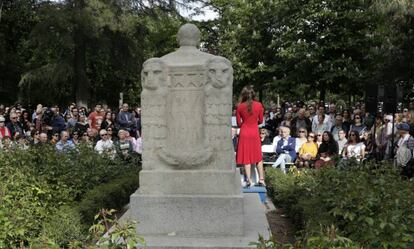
{"points": [[104, 134], [357, 118], [14, 118], [301, 131]]}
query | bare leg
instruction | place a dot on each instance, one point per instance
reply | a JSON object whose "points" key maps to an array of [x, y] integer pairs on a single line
{"points": [[261, 172], [247, 171]]}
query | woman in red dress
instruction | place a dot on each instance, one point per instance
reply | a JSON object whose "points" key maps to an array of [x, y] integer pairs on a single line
{"points": [[249, 115]]}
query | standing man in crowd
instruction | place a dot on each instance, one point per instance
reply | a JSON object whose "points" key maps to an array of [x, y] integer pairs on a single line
{"points": [[74, 118], [125, 119], [339, 126], [96, 117], [58, 122], [300, 121], [315, 121]]}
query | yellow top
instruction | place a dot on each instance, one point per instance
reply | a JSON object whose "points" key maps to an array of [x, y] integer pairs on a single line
{"points": [[311, 148]]}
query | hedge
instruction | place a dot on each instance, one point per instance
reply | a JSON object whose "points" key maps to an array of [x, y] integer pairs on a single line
{"points": [[112, 195], [371, 205]]}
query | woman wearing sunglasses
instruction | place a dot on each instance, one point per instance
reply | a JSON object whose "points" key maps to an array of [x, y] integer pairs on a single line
{"points": [[307, 152], [358, 126], [355, 148]]}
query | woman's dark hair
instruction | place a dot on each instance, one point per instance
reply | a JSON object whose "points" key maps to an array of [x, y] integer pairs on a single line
{"points": [[29, 118], [347, 111], [106, 113], [331, 138], [357, 138], [247, 95]]}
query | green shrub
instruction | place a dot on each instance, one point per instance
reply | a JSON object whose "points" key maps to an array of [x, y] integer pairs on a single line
{"points": [[64, 227], [326, 238], [25, 202], [36, 183], [112, 195], [371, 205], [76, 172]]}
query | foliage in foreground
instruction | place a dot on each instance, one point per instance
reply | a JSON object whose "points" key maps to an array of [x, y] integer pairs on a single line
{"points": [[367, 206], [41, 192]]}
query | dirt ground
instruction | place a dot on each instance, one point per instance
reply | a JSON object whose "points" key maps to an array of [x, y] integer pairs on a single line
{"points": [[281, 226]]}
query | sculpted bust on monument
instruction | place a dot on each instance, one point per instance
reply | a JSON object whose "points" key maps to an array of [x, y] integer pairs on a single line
{"points": [[189, 187]]}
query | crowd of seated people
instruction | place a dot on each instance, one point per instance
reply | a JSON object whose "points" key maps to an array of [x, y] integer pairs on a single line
{"points": [[114, 133], [314, 135]]}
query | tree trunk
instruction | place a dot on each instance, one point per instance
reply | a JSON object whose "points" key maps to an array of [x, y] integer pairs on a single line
{"points": [[322, 93], [81, 82]]}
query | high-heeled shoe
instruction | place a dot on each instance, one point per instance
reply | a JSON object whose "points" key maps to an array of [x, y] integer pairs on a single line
{"points": [[248, 184], [261, 183]]}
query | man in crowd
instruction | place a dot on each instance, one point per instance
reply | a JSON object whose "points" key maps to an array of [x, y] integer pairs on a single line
{"points": [[285, 149], [125, 119], [64, 144], [105, 145], [300, 122], [58, 122], [42, 139], [321, 110], [74, 119], [341, 140], [15, 126], [332, 113], [312, 111], [96, 117], [339, 126]]}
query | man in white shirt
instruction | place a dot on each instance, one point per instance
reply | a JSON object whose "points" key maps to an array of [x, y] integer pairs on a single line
{"points": [[327, 120], [105, 145]]}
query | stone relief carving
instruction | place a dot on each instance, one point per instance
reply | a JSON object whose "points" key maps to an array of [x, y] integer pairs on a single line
{"points": [[218, 104], [185, 145], [153, 99]]}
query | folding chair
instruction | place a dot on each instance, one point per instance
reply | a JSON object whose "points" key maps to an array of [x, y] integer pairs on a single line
{"points": [[269, 154]]}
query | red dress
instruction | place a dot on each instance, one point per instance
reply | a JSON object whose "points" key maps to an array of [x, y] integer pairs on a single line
{"points": [[249, 149]]}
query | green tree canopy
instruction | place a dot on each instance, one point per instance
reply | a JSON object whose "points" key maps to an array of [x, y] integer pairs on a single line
{"points": [[299, 47]]}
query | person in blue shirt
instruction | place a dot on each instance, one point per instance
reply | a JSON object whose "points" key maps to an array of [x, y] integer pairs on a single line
{"points": [[285, 149], [64, 143]]}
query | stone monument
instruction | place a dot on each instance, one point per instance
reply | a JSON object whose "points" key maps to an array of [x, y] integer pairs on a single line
{"points": [[190, 194]]}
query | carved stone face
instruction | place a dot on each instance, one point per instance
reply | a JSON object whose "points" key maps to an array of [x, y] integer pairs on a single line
{"points": [[153, 75], [219, 73]]}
